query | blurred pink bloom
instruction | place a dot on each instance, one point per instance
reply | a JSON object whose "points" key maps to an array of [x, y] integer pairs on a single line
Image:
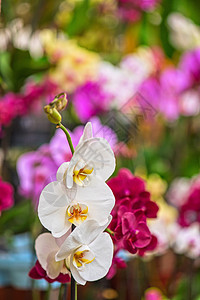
{"points": [[175, 92], [153, 294], [35, 170], [6, 195], [91, 100], [190, 66], [163, 93], [131, 10], [32, 99]]}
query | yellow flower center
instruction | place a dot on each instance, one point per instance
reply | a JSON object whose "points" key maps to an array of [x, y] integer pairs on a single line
{"points": [[83, 257], [80, 175], [77, 213]]}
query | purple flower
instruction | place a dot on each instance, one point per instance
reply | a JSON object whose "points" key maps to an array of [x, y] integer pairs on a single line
{"points": [[163, 93], [190, 66], [35, 169], [91, 100]]}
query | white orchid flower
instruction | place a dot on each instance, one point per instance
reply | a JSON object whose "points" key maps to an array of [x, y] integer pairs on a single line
{"points": [[92, 157], [88, 251], [80, 191], [46, 247]]}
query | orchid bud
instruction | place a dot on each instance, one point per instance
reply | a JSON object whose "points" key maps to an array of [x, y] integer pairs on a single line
{"points": [[60, 101], [52, 109], [52, 114]]}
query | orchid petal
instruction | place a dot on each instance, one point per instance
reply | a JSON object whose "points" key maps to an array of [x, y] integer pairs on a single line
{"points": [[95, 152], [102, 247], [87, 134], [52, 209], [44, 245], [53, 268], [75, 273], [98, 197], [60, 175], [84, 234]]}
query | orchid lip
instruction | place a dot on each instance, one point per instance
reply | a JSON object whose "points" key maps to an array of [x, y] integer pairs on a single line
{"points": [[77, 213], [83, 256], [81, 176]]}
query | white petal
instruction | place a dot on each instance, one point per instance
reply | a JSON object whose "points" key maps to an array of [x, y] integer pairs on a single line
{"points": [[44, 245], [60, 240], [95, 153], [87, 133], [98, 197], [84, 234], [53, 267], [76, 274], [52, 209], [61, 171], [102, 247]]}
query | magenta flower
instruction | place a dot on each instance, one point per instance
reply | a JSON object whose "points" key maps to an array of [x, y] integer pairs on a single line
{"points": [[37, 272], [190, 66], [190, 211], [153, 294], [32, 98], [163, 93], [6, 195], [134, 233], [130, 194], [91, 100], [133, 207]]}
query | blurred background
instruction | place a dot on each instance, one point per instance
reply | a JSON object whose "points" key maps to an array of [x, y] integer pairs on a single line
{"points": [[132, 68]]}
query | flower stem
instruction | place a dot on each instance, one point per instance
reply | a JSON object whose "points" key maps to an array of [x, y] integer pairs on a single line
{"points": [[73, 289], [110, 231], [67, 135], [48, 292], [73, 282]]}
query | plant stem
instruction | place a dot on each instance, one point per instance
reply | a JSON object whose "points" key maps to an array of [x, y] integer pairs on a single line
{"points": [[48, 292], [110, 231], [73, 282], [67, 135], [73, 289]]}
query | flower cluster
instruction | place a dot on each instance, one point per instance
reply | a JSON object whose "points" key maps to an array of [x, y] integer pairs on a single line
{"points": [[132, 210], [79, 197], [99, 95], [13, 105], [175, 91], [74, 65]]}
